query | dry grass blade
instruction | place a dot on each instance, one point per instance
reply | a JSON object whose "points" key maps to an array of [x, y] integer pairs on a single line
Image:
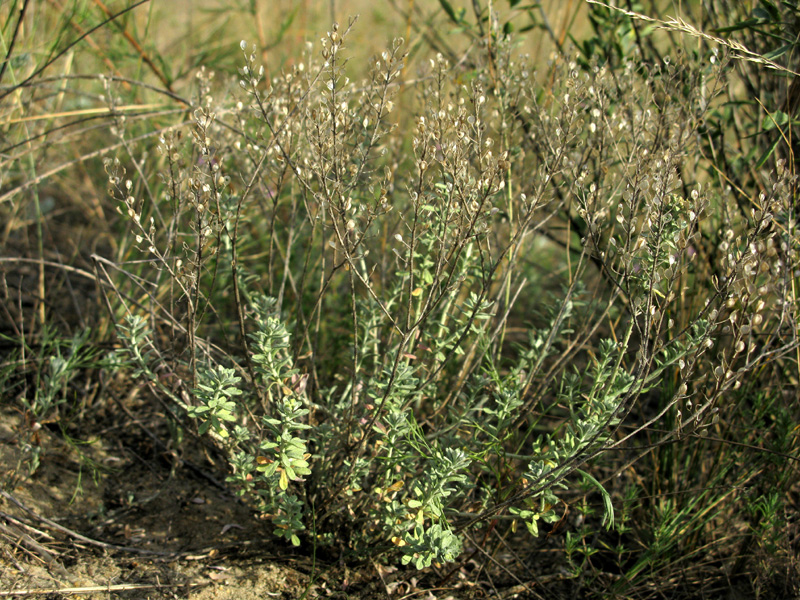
{"points": [[679, 25], [77, 536], [70, 591], [85, 111]]}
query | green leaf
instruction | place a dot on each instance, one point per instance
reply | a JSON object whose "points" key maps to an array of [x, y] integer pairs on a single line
{"points": [[765, 157], [761, 15], [738, 26], [533, 527], [608, 516], [771, 11], [776, 119], [778, 52], [550, 517], [450, 12]]}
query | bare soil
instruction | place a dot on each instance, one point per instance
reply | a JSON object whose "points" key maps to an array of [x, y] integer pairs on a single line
{"points": [[123, 515]]}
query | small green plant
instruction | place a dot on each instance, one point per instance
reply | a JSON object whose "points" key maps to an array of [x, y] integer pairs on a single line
{"points": [[39, 378]]}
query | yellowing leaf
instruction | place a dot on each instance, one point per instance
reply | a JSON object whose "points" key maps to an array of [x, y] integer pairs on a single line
{"points": [[284, 482], [394, 487]]}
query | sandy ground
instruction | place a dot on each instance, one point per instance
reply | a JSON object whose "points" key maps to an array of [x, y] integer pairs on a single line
{"points": [[155, 525]]}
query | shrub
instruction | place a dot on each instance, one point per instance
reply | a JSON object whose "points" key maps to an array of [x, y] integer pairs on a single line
{"points": [[364, 308]]}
